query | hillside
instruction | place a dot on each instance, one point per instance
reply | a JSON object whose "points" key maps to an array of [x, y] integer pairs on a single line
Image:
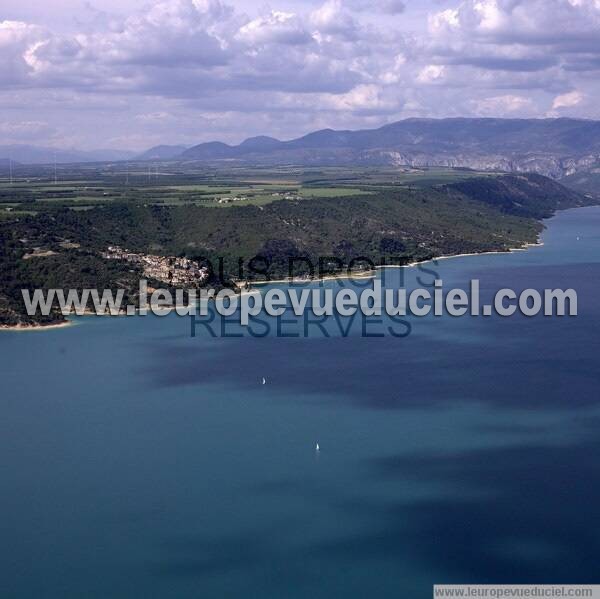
{"points": [[162, 152], [527, 195], [396, 224]]}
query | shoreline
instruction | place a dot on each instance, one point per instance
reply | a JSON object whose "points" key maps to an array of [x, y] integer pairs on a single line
{"points": [[363, 275], [20, 328], [372, 273], [367, 274], [522, 248], [68, 323]]}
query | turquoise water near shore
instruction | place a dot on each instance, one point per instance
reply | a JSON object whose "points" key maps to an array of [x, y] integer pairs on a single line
{"points": [[139, 462]]}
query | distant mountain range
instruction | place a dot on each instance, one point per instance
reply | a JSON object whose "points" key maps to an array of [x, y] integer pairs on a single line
{"points": [[553, 147], [27, 154], [161, 153]]}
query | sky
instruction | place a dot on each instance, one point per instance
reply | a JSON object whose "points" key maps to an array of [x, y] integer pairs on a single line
{"points": [[130, 74]]}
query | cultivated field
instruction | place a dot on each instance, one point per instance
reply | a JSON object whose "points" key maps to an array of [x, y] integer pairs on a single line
{"points": [[81, 187]]}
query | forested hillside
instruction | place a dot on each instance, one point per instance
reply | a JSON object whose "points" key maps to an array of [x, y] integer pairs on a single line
{"points": [[61, 247]]}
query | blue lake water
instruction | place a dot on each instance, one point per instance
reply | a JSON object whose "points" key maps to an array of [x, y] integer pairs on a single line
{"points": [[139, 462]]}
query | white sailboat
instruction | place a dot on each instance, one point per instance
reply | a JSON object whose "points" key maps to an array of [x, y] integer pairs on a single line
{"points": [[264, 381], [317, 448]]}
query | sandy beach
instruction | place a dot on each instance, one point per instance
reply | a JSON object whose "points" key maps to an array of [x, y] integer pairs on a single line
{"points": [[37, 327], [449, 256], [296, 281]]}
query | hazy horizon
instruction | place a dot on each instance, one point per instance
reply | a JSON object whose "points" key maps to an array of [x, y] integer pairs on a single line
{"points": [[134, 74], [190, 145]]}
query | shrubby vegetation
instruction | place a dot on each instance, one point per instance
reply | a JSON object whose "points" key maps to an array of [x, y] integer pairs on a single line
{"points": [[398, 224]]}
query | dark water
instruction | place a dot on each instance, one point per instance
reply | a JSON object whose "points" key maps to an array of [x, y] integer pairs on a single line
{"points": [[138, 462]]}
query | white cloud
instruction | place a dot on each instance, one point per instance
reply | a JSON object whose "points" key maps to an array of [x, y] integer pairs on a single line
{"points": [[490, 16], [432, 73], [503, 105], [154, 117], [563, 23], [363, 98], [333, 18], [443, 20], [295, 66], [396, 71], [567, 100], [18, 43], [276, 27]]}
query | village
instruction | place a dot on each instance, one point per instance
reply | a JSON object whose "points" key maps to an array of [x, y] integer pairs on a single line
{"points": [[167, 269], [243, 198]]}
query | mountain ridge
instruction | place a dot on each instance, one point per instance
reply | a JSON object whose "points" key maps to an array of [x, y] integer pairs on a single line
{"points": [[554, 147], [31, 154], [161, 152], [551, 147]]}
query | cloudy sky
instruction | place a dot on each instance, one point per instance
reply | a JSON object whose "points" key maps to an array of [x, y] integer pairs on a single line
{"points": [[131, 73]]}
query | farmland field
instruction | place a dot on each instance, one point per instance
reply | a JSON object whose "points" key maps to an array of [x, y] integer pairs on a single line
{"points": [[40, 188]]}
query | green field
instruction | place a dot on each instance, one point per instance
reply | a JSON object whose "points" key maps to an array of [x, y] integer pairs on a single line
{"points": [[82, 187], [332, 192]]}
